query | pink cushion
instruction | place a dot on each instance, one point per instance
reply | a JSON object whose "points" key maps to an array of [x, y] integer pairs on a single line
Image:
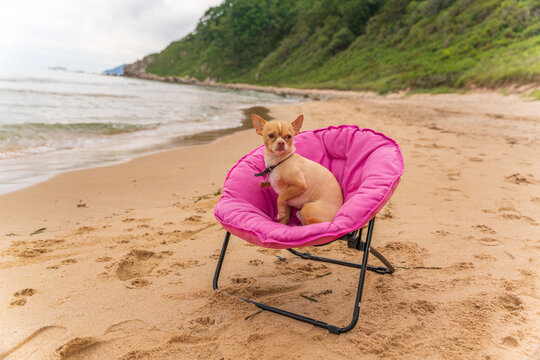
{"points": [[367, 165]]}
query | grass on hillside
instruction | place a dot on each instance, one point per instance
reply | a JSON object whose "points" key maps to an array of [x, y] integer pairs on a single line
{"points": [[398, 44]]}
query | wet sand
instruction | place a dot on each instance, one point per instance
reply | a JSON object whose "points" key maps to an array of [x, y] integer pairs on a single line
{"points": [[212, 135], [129, 275]]}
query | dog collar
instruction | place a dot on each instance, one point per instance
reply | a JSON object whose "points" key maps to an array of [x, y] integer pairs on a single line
{"points": [[269, 169]]}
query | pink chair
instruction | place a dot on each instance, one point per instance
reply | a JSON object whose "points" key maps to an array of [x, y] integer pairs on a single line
{"points": [[367, 165]]}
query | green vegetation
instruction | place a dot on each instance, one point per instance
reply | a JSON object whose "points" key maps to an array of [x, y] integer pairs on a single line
{"points": [[535, 95], [381, 45]]}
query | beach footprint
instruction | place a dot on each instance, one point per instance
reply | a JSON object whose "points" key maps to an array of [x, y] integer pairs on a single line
{"points": [[510, 213], [143, 220], [485, 257], [454, 175], [520, 179], [242, 280], [484, 229], [20, 297], [63, 262], [450, 193], [193, 218], [118, 337], [201, 323], [76, 347], [138, 283], [489, 242], [137, 263], [260, 291], [186, 264]]}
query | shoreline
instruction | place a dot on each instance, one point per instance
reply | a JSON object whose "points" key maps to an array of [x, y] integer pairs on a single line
{"points": [[53, 189], [211, 137], [311, 94], [200, 138], [139, 72], [130, 274], [187, 143]]}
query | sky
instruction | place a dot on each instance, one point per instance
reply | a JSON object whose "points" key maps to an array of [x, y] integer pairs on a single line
{"points": [[90, 35]]}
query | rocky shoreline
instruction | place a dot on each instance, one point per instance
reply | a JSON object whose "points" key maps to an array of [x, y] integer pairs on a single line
{"points": [[138, 70]]}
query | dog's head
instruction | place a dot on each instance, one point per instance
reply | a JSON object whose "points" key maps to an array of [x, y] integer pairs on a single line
{"points": [[277, 135]]}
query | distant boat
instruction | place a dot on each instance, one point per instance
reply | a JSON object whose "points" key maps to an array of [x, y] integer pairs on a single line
{"points": [[57, 68], [117, 71]]}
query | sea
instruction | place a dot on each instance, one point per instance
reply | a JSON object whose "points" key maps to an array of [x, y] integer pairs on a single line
{"points": [[55, 121]]}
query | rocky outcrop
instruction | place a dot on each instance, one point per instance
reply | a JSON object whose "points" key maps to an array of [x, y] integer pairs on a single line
{"points": [[138, 68]]}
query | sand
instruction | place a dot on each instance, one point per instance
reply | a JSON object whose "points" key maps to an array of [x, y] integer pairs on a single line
{"points": [[128, 275]]}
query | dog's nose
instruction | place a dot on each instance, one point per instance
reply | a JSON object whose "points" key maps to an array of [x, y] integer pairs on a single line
{"points": [[281, 143]]}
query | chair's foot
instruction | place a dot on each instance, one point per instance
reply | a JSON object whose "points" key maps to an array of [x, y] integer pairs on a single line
{"points": [[389, 268], [356, 311]]}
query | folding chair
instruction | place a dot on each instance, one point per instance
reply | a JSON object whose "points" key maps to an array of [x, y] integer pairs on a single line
{"points": [[368, 167]]}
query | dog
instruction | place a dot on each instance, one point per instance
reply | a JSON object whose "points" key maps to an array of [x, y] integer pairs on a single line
{"points": [[299, 182]]}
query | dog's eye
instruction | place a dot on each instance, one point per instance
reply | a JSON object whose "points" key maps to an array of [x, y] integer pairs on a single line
{"points": [[271, 136], [287, 137]]}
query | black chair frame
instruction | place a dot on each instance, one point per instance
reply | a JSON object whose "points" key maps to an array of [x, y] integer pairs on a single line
{"points": [[354, 240]]}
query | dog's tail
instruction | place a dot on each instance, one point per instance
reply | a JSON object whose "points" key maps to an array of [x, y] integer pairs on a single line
{"points": [[313, 220]]}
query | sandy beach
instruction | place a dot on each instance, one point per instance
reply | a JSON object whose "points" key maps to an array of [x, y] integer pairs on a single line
{"points": [[123, 266]]}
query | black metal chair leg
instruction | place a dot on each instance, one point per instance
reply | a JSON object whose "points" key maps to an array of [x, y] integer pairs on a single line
{"points": [[220, 260], [356, 311], [377, 269]]}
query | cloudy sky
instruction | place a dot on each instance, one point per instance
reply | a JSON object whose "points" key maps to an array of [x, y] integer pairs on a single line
{"points": [[90, 35]]}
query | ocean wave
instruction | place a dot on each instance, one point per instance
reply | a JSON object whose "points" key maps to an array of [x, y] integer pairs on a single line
{"points": [[55, 93], [14, 131], [83, 79], [29, 80], [36, 138], [67, 120]]}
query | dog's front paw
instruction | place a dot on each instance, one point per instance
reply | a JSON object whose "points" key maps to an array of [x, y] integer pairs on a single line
{"points": [[284, 215]]}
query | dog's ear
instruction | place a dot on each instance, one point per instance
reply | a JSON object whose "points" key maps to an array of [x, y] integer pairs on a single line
{"points": [[258, 123], [297, 124]]}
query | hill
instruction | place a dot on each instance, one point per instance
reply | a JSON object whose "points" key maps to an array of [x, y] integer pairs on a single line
{"points": [[381, 45]]}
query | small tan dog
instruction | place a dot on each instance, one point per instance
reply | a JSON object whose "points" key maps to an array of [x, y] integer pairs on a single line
{"points": [[299, 182]]}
